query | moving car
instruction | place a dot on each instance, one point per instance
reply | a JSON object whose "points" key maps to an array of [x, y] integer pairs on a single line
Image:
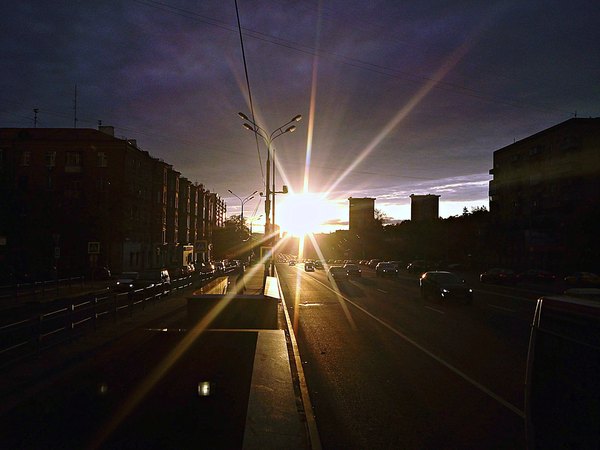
{"points": [[292, 262], [337, 272], [583, 279], [352, 270], [418, 266], [386, 269], [125, 282], [536, 276], [154, 277], [309, 267], [444, 285], [498, 275]]}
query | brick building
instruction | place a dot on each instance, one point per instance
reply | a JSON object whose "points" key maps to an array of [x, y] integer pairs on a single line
{"points": [[81, 198]]}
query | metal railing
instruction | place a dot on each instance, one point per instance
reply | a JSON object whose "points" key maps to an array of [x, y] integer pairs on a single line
{"points": [[36, 326]]}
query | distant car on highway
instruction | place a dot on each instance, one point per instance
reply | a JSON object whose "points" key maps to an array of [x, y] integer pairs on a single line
{"points": [[536, 276], [583, 279], [318, 265], [498, 275], [444, 285], [309, 267], [337, 272], [352, 270], [386, 269], [418, 266], [291, 262]]}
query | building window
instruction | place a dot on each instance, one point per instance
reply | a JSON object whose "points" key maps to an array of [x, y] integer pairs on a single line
{"points": [[73, 162], [25, 158], [73, 189], [50, 159], [102, 160]]}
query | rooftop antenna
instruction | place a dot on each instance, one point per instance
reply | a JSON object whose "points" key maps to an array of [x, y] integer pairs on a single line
{"points": [[75, 108], [35, 112]]}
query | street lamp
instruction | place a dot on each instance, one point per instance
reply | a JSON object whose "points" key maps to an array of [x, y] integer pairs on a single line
{"points": [[269, 138], [253, 220], [243, 201]]}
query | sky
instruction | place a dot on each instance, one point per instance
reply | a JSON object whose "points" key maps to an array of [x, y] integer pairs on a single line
{"points": [[396, 97]]}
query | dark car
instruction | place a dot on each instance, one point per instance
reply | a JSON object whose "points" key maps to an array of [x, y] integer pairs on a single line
{"points": [[318, 265], [352, 270], [386, 269], [126, 281], [536, 276], [154, 277], [309, 267], [583, 279], [444, 285], [337, 272], [498, 275], [418, 266]]}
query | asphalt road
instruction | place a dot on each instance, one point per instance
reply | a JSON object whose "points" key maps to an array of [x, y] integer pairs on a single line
{"points": [[386, 369]]}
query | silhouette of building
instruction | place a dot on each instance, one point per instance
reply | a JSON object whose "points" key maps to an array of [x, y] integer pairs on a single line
{"points": [[80, 198], [424, 207], [545, 197], [361, 214]]}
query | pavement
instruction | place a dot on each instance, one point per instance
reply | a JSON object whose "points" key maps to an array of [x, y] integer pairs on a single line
{"points": [[251, 391]]}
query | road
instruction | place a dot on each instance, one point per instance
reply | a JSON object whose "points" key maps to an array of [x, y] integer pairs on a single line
{"points": [[386, 369]]}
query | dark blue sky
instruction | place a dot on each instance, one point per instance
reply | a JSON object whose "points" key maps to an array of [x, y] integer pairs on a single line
{"points": [[408, 97]]}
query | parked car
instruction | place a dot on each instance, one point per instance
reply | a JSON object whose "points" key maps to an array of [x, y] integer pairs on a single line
{"points": [[583, 279], [337, 272], [373, 263], [386, 269], [309, 267], [444, 285], [125, 282], [352, 270], [498, 275], [536, 276]]}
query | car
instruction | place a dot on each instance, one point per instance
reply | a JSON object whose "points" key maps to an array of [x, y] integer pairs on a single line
{"points": [[583, 279], [309, 267], [292, 262], [418, 266], [337, 272], [373, 263], [318, 265], [386, 269], [444, 285], [498, 275], [151, 277], [352, 270], [125, 282], [536, 276]]}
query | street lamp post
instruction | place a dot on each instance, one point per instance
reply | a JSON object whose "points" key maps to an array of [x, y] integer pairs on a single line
{"points": [[269, 138], [243, 202]]}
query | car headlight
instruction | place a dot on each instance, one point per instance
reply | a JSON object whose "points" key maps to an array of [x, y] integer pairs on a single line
{"points": [[445, 291]]}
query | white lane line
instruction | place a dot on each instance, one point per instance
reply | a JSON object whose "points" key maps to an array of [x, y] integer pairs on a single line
{"points": [[449, 366], [436, 310], [381, 290], [502, 308]]}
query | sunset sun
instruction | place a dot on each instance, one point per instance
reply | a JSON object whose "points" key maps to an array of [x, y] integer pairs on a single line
{"points": [[303, 213]]}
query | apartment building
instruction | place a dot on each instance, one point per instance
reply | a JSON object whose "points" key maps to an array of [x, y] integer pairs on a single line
{"points": [[545, 197], [74, 199]]}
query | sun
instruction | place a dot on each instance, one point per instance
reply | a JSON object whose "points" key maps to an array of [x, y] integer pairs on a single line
{"points": [[303, 213]]}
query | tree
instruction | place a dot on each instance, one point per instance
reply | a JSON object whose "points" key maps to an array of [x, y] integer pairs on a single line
{"points": [[233, 240]]}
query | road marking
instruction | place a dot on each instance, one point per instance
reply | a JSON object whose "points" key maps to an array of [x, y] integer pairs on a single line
{"points": [[381, 290], [502, 308], [436, 310], [432, 355]]}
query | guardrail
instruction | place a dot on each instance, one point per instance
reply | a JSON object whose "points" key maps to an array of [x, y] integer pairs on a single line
{"points": [[40, 289], [36, 326]]}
